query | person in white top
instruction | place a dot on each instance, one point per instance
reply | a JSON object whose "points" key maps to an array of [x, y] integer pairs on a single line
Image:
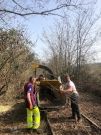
{"points": [[70, 90]]}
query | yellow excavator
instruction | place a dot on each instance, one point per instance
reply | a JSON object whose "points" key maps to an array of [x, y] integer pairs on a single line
{"points": [[49, 96]]}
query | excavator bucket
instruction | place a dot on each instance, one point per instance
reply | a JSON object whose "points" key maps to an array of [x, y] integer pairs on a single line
{"points": [[49, 96]]}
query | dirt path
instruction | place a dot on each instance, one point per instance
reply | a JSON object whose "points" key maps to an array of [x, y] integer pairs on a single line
{"points": [[13, 117], [12, 121], [91, 106]]}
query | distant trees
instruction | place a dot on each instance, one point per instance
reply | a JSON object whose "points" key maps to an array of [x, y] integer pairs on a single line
{"points": [[70, 43]]}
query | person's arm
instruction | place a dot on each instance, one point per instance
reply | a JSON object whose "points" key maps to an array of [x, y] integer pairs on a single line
{"points": [[66, 90], [29, 101], [29, 96]]}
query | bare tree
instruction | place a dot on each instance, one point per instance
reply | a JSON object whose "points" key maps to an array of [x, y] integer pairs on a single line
{"points": [[73, 40]]}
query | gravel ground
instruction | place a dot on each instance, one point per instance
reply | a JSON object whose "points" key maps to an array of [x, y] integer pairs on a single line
{"points": [[14, 121], [91, 106]]}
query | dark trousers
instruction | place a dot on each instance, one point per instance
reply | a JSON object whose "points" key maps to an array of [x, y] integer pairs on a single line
{"points": [[75, 106]]}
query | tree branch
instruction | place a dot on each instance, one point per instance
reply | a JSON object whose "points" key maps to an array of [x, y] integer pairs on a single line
{"points": [[46, 12], [14, 1]]}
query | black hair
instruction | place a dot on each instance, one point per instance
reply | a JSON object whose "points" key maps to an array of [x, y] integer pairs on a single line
{"points": [[30, 78], [41, 75]]}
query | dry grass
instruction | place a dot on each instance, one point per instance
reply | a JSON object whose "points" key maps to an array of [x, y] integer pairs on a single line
{"points": [[5, 108]]}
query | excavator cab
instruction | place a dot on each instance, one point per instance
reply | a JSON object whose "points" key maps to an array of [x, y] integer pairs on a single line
{"points": [[48, 96]]}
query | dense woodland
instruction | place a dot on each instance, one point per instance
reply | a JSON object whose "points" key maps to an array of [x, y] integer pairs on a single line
{"points": [[15, 60], [69, 44]]}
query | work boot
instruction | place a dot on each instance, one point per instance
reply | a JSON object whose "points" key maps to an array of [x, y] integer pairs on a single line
{"points": [[29, 130], [71, 117], [79, 120], [37, 131]]}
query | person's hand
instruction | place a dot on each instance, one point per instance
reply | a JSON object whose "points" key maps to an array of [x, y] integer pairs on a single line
{"points": [[61, 88], [31, 107], [61, 91]]}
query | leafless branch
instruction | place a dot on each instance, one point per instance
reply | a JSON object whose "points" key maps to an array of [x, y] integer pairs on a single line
{"points": [[46, 12]]}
